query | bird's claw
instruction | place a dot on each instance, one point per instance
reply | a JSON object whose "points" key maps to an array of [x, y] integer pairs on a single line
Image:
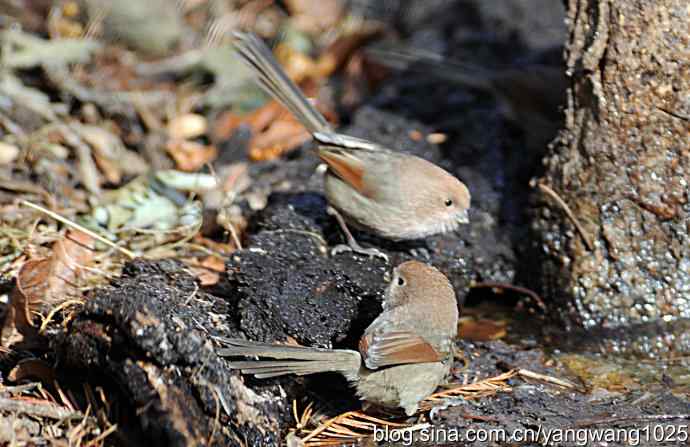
{"points": [[421, 252], [371, 252]]}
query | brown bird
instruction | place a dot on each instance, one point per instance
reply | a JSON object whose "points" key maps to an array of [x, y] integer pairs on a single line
{"points": [[403, 355], [384, 192]]}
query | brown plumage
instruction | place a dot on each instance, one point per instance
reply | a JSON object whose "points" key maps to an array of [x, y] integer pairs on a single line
{"points": [[403, 355], [387, 193]]}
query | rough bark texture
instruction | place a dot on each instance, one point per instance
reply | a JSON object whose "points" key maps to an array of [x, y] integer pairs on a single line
{"points": [[622, 165]]}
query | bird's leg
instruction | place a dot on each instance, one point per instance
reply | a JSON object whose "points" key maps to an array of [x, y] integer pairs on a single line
{"points": [[352, 244]]}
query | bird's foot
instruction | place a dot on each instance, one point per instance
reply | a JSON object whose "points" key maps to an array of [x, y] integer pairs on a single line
{"points": [[421, 253], [371, 252]]}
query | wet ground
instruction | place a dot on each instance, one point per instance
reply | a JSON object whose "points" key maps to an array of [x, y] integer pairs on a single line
{"points": [[148, 340]]}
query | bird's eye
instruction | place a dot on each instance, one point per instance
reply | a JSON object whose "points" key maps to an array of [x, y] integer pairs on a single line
{"points": [[401, 281], [449, 202]]}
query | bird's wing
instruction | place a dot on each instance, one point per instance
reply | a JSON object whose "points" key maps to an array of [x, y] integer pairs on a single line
{"points": [[379, 349], [338, 141], [352, 159], [348, 168]]}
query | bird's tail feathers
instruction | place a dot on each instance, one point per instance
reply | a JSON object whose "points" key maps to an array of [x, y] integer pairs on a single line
{"points": [[274, 80], [289, 359]]}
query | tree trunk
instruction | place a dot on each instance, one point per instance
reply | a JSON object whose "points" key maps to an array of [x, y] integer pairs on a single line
{"points": [[621, 254]]}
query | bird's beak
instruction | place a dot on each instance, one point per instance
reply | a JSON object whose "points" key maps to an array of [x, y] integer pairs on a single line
{"points": [[464, 217]]}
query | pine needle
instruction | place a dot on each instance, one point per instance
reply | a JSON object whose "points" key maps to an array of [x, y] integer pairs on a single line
{"points": [[353, 426]]}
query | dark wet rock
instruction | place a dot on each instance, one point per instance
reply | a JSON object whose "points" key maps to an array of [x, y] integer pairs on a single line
{"points": [[146, 340], [539, 411], [532, 405], [286, 286], [299, 211], [488, 359]]}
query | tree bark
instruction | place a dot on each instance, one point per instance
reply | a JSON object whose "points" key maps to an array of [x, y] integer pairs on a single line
{"points": [[622, 168]]}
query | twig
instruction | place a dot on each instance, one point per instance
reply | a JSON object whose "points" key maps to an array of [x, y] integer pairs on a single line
{"points": [[192, 295], [65, 399], [46, 410], [662, 211], [303, 420], [102, 436], [224, 219], [76, 434], [216, 419], [87, 168], [68, 222], [353, 425], [551, 193], [18, 389], [472, 390], [349, 418], [523, 290], [54, 311], [327, 424], [674, 114], [525, 373]]}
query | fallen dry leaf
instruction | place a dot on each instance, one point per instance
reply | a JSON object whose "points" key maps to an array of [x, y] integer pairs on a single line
{"points": [[214, 263], [313, 16], [187, 126], [189, 155], [262, 117], [44, 283], [208, 270], [274, 130], [107, 148], [258, 120], [279, 138], [225, 125], [222, 248], [297, 65], [340, 51], [481, 330]]}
